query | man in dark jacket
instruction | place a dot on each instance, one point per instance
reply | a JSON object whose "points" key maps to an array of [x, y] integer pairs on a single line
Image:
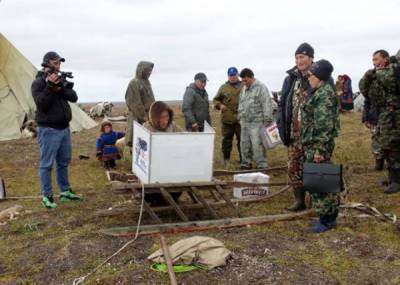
{"points": [[294, 91], [52, 94], [195, 104]]}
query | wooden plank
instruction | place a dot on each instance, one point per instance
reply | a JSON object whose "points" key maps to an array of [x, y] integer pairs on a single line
{"points": [[168, 260], [219, 203], [222, 172], [227, 200], [171, 201], [153, 188], [123, 185], [196, 226], [203, 202], [216, 199], [193, 197], [146, 206], [249, 184]]}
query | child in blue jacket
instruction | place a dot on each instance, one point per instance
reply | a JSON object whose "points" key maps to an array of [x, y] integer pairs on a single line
{"points": [[106, 150]]}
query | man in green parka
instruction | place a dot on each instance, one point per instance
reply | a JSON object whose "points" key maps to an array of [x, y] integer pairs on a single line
{"points": [[227, 101], [139, 97]]}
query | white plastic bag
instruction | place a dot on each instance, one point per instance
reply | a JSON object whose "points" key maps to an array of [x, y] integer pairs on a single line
{"points": [[270, 136]]}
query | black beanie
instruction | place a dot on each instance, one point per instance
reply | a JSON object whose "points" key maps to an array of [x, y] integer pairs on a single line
{"points": [[306, 49], [322, 69]]}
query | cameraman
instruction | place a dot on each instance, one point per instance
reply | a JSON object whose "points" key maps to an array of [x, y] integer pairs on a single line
{"points": [[51, 94]]}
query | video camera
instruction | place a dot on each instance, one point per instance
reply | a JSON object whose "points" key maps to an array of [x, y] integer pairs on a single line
{"points": [[62, 75]]}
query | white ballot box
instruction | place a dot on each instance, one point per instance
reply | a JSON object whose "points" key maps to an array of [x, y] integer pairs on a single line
{"points": [[173, 157]]}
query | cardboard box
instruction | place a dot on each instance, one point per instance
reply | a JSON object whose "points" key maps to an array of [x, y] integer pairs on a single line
{"points": [[251, 191]]}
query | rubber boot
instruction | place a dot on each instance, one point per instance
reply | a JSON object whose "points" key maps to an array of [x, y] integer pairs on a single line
{"points": [[322, 225], [299, 197], [394, 185], [379, 164], [331, 223], [106, 165]]}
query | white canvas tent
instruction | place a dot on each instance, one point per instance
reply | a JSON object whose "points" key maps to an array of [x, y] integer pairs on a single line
{"points": [[359, 103], [16, 102]]}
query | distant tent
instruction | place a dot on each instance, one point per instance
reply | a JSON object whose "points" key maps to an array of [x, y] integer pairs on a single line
{"points": [[359, 103], [16, 102]]}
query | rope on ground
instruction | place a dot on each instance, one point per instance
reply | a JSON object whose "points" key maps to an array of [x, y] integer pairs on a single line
{"points": [[81, 279], [372, 211]]}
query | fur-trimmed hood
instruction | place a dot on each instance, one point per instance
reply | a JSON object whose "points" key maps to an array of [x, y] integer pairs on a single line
{"points": [[155, 112]]}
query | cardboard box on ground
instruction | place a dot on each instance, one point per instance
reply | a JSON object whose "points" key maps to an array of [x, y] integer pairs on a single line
{"points": [[251, 191]]}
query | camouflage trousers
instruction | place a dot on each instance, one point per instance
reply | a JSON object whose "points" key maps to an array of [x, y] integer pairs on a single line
{"points": [[392, 157], [228, 132], [323, 203], [375, 145], [295, 161], [389, 138], [251, 146]]}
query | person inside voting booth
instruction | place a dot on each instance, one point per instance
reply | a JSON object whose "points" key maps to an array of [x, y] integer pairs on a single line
{"points": [[161, 119], [320, 127]]}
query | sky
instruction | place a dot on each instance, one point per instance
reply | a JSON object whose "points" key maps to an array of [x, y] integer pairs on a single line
{"points": [[103, 41]]}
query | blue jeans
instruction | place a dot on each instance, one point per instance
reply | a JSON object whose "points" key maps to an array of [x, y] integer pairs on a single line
{"points": [[55, 145]]}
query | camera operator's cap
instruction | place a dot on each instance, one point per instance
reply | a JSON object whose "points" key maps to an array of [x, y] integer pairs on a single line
{"points": [[232, 71], [52, 55], [200, 76]]}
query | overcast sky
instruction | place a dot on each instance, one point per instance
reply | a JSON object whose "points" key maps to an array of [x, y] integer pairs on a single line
{"points": [[103, 41]]}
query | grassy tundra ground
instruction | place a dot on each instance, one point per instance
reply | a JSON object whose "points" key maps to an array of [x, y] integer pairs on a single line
{"points": [[54, 247]]}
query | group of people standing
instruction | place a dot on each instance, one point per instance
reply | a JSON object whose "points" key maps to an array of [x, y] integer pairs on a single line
{"points": [[307, 119], [240, 117]]}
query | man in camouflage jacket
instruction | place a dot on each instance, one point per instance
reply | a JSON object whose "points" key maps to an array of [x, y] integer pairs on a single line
{"points": [[381, 87], [320, 127], [294, 91]]}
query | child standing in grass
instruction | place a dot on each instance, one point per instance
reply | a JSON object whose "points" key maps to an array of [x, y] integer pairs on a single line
{"points": [[106, 149]]}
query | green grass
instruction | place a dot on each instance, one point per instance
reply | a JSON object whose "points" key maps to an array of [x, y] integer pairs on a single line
{"points": [[54, 247]]}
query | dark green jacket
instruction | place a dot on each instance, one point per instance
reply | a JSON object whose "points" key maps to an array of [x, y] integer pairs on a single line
{"points": [[195, 106], [228, 95], [138, 97]]}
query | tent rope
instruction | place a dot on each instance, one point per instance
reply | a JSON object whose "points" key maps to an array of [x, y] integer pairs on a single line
{"points": [[81, 279]]}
